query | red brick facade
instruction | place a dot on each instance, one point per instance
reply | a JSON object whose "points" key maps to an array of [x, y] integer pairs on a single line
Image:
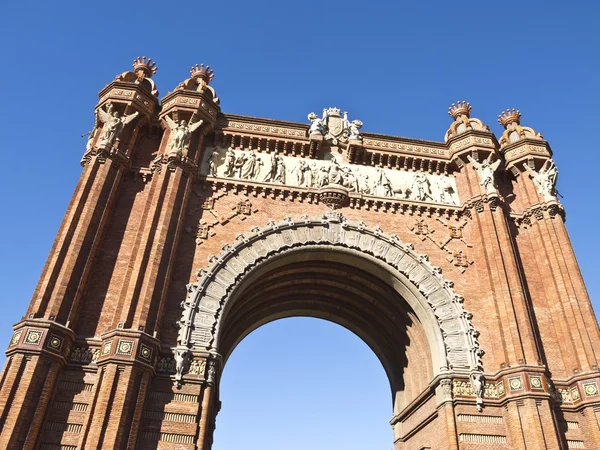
{"points": [[450, 259]]}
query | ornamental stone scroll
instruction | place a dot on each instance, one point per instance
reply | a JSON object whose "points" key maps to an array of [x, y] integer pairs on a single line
{"points": [[207, 298]]}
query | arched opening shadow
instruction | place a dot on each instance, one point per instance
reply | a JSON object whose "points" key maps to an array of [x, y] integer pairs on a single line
{"points": [[303, 383], [344, 289]]}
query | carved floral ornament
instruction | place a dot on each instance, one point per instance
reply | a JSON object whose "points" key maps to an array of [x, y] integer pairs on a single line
{"points": [[202, 309]]}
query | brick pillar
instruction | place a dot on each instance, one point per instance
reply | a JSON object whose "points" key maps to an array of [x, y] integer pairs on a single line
{"points": [[67, 269], [209, 411], [532, 424], [41, 342], [36, 354], [498, 263], [190, 110], [572, 326], [137, 315], [125, 366]]}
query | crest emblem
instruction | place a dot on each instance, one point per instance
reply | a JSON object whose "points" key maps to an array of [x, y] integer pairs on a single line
{"points": [[334, 127]]}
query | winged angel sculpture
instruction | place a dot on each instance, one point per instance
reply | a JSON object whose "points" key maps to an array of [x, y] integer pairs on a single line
{"points": [[113, 126], [486, 171], [180, 134]]}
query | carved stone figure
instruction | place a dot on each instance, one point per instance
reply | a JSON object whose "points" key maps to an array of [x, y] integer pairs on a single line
{"points": [[92, 133], [349, 180], [323, 177], [213, 161], [212, 371], [197, 367], [180, 135], [486, 171], [300, 171], [185, 321], [248, 165], [182, 356], [311, 175], [421, 188], [545, 179], [237, 166], [334, 171], [445, 191], [363, 184], [272, 175], [113, 126], [335, 127], [280, 171], [229, 162], [257, 167], [382, 186], [354, 128], [316, 124], [478, 385]]}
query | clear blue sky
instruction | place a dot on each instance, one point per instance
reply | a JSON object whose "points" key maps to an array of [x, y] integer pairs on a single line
{"points": [[396, 66]]}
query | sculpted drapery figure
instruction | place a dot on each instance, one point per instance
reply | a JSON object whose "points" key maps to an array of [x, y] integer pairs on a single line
{"points": [[335, 174], [545, 179], [213, 162], [113, 126], [300, 171], [272, 174], [421, 188], [248, 168], [486, 171], [382, 185], [180, 134], [280, 171], [445, 191], [229, 162]]}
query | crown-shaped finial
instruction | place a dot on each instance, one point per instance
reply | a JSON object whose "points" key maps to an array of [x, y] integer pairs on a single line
{"points": [[144, 67], [460, 109], [206, 74], [507, 117]]}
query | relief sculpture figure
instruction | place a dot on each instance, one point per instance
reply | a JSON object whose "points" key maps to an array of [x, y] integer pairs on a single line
{"points": [[229, 162], [421, 188], [248, 165]]}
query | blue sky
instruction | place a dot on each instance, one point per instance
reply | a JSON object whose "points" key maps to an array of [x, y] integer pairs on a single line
{"points": [[397, 66]]}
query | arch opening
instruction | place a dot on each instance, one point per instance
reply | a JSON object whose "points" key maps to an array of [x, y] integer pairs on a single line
{"points": [[343, 288], [301, 379], [345, 272]]}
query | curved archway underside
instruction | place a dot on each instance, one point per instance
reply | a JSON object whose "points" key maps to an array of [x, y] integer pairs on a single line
{"points": [[329, 267]]}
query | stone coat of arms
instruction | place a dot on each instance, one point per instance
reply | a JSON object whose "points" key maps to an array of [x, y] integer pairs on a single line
{"points": [[334, 127]]}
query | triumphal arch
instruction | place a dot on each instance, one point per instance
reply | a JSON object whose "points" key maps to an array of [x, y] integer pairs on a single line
{"points": [[190, 227]]}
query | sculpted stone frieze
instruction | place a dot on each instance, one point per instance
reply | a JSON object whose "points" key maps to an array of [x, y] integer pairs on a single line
{"points": [[199, 324], [310, 173]]}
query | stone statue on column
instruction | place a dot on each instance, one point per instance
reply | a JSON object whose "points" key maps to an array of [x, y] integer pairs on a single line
{"points": [[545, 179], [180, 135], [114, 125], [486, 170]]}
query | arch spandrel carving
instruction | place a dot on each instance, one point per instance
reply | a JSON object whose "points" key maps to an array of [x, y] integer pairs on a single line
{"points": [[448, 325]]}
